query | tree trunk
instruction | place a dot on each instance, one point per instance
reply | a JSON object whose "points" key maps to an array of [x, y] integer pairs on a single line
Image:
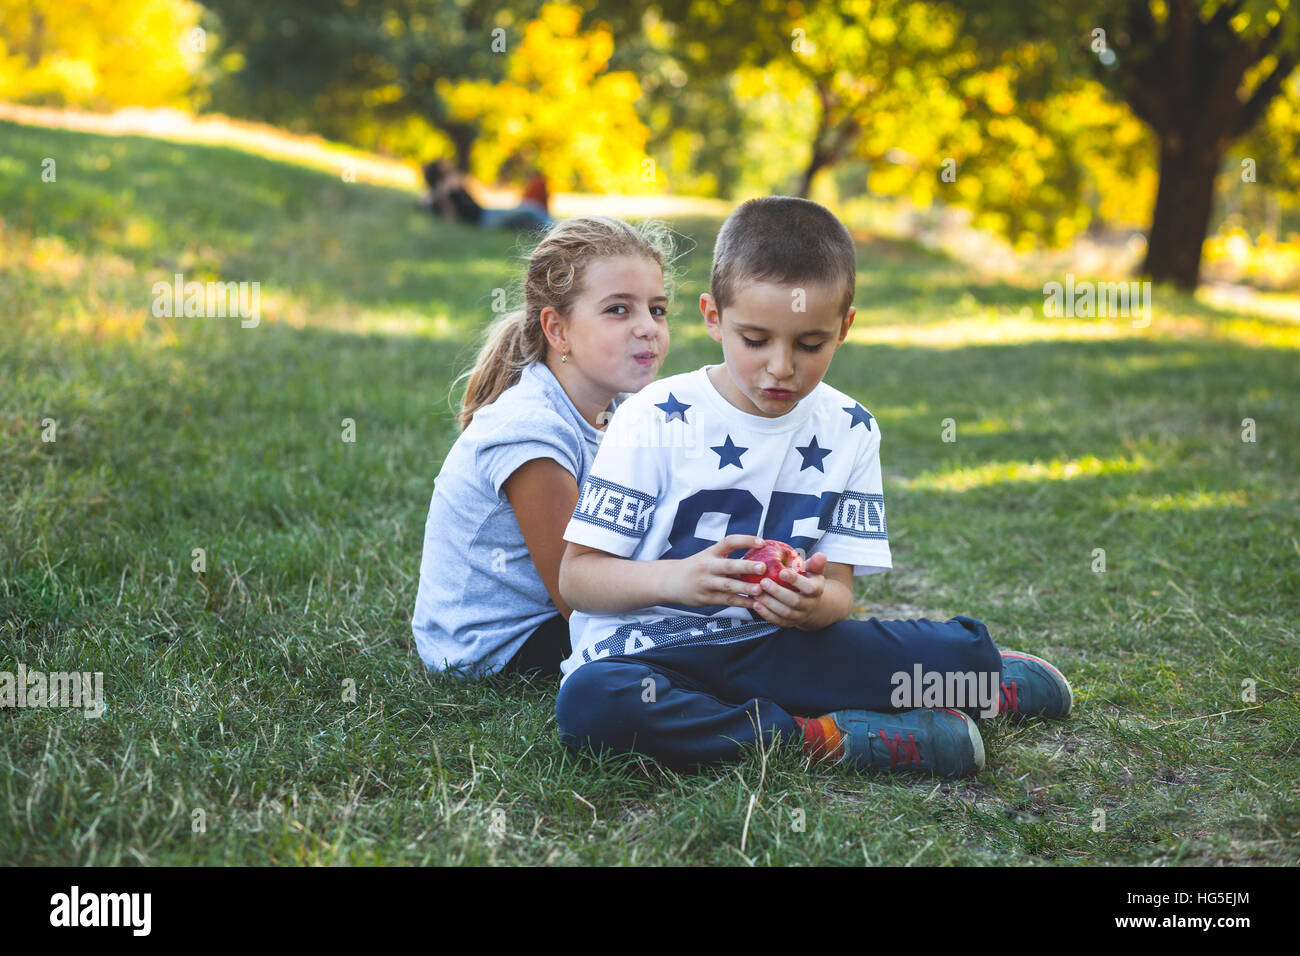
{"points": [[821, 155], [1184, 201], [462, 136], [815, 165]]}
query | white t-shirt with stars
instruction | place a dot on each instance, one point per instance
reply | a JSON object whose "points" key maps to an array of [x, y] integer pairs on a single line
{"points": [[680, 467]]}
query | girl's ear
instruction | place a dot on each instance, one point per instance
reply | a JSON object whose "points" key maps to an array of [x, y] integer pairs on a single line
{"points": [[553, 327]]}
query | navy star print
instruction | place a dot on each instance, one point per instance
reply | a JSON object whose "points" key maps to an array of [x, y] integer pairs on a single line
{"points": [[860, 416], [812, 455], [729, 453], [673, 408]]}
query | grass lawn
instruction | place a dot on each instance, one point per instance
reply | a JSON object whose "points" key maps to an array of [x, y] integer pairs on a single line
{"points": [[227, 738]]}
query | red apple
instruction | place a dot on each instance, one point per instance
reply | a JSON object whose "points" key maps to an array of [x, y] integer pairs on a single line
{"points": [[776, 555]]}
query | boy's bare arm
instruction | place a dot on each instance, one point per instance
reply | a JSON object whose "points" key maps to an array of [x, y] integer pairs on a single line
{"points": [[837, 600], [602, 583]]}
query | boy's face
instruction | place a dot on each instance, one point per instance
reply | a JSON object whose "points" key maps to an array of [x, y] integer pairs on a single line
{"points": [[777, 342]]}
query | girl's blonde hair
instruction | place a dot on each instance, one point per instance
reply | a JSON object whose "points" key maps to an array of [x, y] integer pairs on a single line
{"points": [[554, 277]]}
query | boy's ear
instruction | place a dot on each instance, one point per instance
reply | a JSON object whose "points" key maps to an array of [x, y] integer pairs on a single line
{"points": [[846, 324], [712, 317]]}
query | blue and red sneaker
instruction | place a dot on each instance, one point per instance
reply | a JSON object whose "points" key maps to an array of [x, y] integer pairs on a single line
{"points": [[1031, 687], [932, 740]]}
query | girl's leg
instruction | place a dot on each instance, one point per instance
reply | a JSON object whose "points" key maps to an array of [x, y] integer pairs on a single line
{"points": [[519, 217], [544, 650], [526, 217]]}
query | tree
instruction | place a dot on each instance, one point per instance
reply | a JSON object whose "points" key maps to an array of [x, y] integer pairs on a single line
{"points": [[899, 87], [556, 73], [1201, 73], [337, 66], [500, 81], [1186, 82], [1198, 74]]}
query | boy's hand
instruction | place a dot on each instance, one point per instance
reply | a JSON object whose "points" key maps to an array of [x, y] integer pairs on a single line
{"points": [[710, 577], [795, 603]]}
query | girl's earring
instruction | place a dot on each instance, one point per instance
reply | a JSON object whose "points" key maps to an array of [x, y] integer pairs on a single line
{"points": [[564, 357]]}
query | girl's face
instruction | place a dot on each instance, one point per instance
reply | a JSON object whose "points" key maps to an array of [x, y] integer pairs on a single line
{"points": [[618, 328]]}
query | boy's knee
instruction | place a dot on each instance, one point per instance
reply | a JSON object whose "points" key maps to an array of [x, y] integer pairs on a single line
{"points": [[592, 706], [981, 653]]}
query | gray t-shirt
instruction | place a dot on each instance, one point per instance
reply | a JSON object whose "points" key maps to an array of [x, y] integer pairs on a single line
{"points": [[480, 596]]}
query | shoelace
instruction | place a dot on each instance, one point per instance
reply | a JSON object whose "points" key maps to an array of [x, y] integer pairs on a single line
{"points": [[902, 753], [1008, 700]]}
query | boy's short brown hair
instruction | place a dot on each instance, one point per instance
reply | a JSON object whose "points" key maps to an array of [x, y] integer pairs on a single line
{"points": [[784, 240]]}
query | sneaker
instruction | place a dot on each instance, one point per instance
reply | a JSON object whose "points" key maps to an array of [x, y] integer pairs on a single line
{"points": [[1031, 687], [938, 741]]}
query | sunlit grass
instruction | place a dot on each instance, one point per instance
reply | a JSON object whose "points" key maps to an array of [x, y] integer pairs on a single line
{"points": [[994, 327], [1011, 472], [257, 139], [1188, 501], [224, 687]]}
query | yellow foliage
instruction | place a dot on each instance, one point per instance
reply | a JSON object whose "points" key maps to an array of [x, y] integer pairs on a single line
{"points": [[556, 76], [1267, 263], [997, 91], [99, 54]]}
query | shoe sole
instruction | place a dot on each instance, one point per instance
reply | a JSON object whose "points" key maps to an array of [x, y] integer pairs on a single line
{"points": [[1062, 684], [973, 732]]}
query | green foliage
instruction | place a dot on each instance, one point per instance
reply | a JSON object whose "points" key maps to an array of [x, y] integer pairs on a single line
{"points": [[901, 89], [352, 70], [1006, 109], [1274, 145], [1202, 74]]}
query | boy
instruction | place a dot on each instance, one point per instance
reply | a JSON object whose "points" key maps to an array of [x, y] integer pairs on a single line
{"points": [[675, 656]]}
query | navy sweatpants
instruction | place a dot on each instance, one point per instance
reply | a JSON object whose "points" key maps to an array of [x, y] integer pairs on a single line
{"points": [[700, 704]]}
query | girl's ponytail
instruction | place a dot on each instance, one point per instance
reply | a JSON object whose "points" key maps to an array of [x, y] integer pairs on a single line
{"points": [[513, 343]]}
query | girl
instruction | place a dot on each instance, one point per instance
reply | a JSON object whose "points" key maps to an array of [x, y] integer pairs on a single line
{"points": [[594, 324]]}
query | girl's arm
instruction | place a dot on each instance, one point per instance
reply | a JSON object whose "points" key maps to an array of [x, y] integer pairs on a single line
{"points": [[602, 583], [543, 496]]}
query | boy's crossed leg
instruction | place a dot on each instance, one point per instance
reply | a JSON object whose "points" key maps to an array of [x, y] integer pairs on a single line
{"points": [[700, 704], [644, 704]]}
